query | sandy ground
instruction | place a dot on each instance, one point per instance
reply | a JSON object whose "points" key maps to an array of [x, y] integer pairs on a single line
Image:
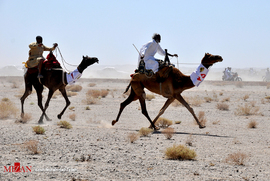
{"points": [[110, 155]]}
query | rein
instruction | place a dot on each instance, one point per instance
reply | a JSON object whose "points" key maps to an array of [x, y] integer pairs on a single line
{"points": [[63, 60]]}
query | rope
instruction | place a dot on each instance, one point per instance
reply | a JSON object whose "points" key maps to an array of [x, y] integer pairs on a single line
{"points": [[63, 60]]}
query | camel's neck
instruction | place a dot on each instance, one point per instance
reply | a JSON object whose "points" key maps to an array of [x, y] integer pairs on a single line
{"points": [[206, 65]]}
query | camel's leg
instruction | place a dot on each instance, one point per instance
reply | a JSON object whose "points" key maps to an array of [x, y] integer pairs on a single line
{"points": [[131, 97], [162, 110], [28, 90], [39, 90], [182, 100], [64, 93], [144, 111], [47, 104]]}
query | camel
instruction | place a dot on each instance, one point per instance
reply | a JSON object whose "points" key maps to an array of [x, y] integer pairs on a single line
{"points": [[171, 88], [54, 79]]}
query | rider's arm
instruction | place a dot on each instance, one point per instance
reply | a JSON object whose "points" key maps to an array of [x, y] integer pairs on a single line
{"points": [[50, 49]]}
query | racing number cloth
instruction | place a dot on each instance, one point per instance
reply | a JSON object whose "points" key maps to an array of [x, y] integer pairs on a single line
{"points": [[198, 75], [73, 77]]}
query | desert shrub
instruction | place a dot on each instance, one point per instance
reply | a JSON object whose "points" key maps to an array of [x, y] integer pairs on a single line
{"points": [[7, 109], [71, 108], [163, 122], [222, 106], [252, 124], [189, 140], [194, 101], [72, 116], [237, 158], [27, 117], [177, 122], [5, 99], [83, 158], [180, 152], [104, 93], [31, 146], [202, 118], [149, 97], [70, 94], [208, 99], [87, 108], [168, 132], [145, 131], [91, 84], [245, 97], [246, 110], [90, 100], [132, 137], [38, 129], [64, 124], [221, 93], [74, 88], [227, 99]]}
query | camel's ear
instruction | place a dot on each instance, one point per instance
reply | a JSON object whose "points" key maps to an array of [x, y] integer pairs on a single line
{"points": [[207, 55], [82, 56]]}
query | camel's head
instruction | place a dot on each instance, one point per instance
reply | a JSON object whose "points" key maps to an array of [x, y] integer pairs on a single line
{"points": [[209, 59], [90, 60]]}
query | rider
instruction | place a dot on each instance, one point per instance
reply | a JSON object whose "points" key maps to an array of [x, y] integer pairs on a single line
{"points": [[228, 73], [148, 52], [35, 54]]}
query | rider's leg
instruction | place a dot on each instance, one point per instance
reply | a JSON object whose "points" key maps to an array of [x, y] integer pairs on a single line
{"points": [[39, 68]]}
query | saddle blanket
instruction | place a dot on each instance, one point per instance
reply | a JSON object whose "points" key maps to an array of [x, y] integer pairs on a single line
{"points": [[199, 75]]}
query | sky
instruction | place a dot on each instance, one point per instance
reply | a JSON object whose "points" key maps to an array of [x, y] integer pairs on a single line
{"points": [[238, 30]]}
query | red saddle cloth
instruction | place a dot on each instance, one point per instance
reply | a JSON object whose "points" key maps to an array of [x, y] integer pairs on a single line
{"points": [[51, 62]]}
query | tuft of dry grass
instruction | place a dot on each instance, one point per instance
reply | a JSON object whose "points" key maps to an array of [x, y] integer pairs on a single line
{"points": [[177, 122], [237, 158], [7, 109], [92, 84], [64, 124], [74, 88], [246, 110], [222, 106], [180, 152], [70, 94], [90, 100], [38, 129], [252, 124], [208, 99], [168, 132], [72, 117], [163, 122], [5, 99], [132, 137], [245, 97], [145, 131], [83, 158], [31, 146], [202, 118], [189, 140], [97, 93], [227, 99], [104, 93], [149, 97]]}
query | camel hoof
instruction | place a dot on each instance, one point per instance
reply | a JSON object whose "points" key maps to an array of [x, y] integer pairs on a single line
{"points": [[201, 127], [59, 116], [113, 122]]}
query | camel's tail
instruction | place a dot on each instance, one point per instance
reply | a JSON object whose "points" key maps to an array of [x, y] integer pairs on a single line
{"points": [[127, 88]]}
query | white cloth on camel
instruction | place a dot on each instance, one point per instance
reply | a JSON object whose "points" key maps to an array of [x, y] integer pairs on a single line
{"points": [[199, 75], [148, 51], [73, 77]]}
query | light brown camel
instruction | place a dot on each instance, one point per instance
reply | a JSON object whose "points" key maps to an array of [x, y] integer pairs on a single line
{"points": [[171, 89]]}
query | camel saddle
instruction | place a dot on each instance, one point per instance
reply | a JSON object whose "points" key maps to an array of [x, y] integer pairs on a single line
{"points": [[51, 62], [163, 73]]}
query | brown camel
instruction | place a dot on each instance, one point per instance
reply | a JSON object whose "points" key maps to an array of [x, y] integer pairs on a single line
{"points": [[171, 89], [54, 79]]}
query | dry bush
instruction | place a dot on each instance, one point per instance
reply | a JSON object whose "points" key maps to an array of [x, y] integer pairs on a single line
{"points": [[208, 99], [87, 108], [246, 110], [71, 108], [222, 106], [72, 117], [27, 117], [64, 124], [189, 140], [194, 101], [38, 129], [239, 84], [245, 97], [149, 97], [168, 132], [70, 94], [163, 122], [216, 122], [92, 84], [227, 99], [83, 158], [5, 99], [31, 146], [252, 124], [237, 158], [90, 100], [74, 88], [221, 93], [104, 93], [202, 118], [177, 122], [7, 109], [145, 131], [14, 85], [132, 137], [180, 152]]}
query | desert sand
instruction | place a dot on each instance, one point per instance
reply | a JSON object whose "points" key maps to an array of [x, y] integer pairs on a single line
{"points": [[108, 153]]}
